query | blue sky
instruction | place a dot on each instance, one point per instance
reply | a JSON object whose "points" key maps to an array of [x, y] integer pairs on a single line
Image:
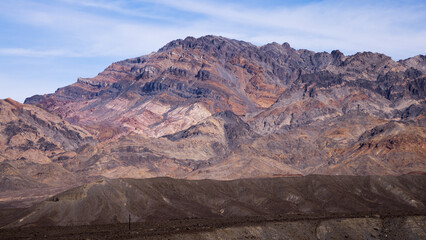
{"points": [[45, 44]]}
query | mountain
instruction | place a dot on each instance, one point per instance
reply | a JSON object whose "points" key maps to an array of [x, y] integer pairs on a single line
{"points": [[188, 80], [219, 108]]}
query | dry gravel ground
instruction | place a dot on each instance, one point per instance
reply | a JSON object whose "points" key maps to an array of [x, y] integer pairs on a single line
{"points": [[289, 227]]}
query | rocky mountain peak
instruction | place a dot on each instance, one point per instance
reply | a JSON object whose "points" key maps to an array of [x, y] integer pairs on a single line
{"points": [[286, 45], [418, 62], [207, 44], [15, 104]]}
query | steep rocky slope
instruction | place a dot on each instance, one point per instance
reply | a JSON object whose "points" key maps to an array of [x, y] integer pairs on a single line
{"points": [[225, 147], [32, 144]]}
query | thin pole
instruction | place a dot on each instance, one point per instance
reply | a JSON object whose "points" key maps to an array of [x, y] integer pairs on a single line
{"points": [[129, 222]]}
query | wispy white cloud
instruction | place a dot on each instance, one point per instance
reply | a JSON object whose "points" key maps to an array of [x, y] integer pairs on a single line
{"points": [[392, 27], [326, 25], [22, 52], [86, 34], [118, 7]]}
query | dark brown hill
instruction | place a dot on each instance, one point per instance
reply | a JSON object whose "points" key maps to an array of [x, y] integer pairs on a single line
{"points": [[111, 201]]}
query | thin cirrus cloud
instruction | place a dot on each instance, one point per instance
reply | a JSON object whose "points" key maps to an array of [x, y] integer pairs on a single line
{"points": [[87, 33], [22, 52], [123, 28], [386, 26], [71, 35]]}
